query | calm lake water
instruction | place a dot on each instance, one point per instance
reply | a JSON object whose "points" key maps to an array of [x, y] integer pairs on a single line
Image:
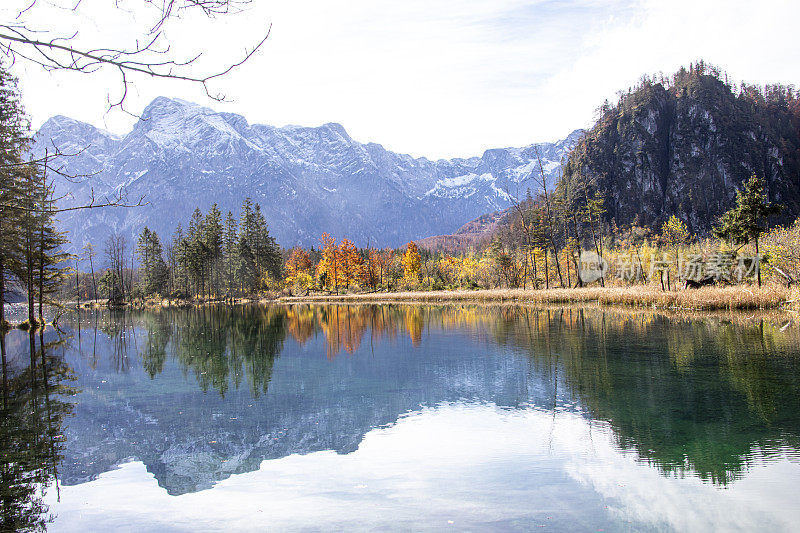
{"points": [[401, 417]]}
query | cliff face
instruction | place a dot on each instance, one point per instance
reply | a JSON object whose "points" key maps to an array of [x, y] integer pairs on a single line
{"points": [[684, 146]]}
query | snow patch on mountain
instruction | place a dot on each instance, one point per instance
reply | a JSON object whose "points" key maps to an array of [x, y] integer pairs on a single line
{"points": [[181, 155]]}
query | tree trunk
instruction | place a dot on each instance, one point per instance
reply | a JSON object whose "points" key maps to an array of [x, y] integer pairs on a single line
{"points": [[558, 263], [758, 264], [77, 284], [94, 283], [546, 271], [2, 295]]}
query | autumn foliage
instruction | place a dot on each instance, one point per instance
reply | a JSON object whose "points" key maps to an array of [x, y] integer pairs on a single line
{"points": [[411, 262]]}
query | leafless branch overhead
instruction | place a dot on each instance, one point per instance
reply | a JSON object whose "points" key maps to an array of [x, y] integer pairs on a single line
{"points": [[22, 39]]}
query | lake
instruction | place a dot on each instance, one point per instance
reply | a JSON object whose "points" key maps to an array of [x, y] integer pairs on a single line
{"points": [[401, 417]]}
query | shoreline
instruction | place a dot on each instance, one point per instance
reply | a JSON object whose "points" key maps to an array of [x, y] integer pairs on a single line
{"points": [[735, 298], [726, 299]]}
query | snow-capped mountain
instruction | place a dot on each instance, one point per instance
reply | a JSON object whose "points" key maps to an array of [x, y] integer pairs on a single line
{"points": [[307, 180]]}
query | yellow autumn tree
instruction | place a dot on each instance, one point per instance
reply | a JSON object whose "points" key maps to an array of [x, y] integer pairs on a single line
{"points": [[674, 234], [329, 267], [450, 267], [411, 263], [782, 250]]}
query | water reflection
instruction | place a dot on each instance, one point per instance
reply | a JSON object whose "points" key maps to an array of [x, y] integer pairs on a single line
{"points": [[699, 396], [196, 395], [35, 392]]}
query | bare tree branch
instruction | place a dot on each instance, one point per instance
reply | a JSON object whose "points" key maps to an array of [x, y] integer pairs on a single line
{"points": [[151, 57], [120, 200]]}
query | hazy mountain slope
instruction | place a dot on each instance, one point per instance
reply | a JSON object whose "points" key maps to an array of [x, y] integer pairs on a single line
{"points": [[471, 235], [308, 180]]}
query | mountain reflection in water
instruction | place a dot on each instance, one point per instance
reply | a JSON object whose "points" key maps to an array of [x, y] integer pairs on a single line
{"points": [[197, 395]]}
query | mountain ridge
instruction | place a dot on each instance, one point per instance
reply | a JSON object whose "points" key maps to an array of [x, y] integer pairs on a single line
{"points": [[308, 180]]}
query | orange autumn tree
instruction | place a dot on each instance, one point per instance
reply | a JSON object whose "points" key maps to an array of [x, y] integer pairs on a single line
{"points": [[369, 274], [376, 267], [330, 266], [298, 269], [411, 262], [351, 263]]}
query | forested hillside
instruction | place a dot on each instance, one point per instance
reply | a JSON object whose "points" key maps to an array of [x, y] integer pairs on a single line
{"points": [[682, 146]]}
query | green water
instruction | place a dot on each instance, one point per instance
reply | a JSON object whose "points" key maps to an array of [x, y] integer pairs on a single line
{"points": [[402, 417]]}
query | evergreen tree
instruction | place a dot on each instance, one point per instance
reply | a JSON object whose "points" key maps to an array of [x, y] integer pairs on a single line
{"points": [[14, 141], [246, 272], [49, 258], [26, 266], [41, 266], [748, 219], [154, 274], [230, 253], [212, 245], [196, 252], [10, 250], [253, 232], [266, 251], [177, 259]]}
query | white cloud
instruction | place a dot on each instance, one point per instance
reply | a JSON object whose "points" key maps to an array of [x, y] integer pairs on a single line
{"points": [[445, 78]]}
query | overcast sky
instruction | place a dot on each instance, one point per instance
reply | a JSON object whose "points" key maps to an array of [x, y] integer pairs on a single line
{"points": [[438, 78]]}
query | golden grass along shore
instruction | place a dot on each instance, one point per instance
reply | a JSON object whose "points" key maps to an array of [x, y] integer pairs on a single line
{"points": [[706, 298]]}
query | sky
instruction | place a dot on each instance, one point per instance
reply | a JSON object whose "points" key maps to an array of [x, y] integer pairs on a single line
{"points": [[434, 78]]}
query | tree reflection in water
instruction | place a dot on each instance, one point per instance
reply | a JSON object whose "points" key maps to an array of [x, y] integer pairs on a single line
{"points": [[34, 406], [704, 395]]}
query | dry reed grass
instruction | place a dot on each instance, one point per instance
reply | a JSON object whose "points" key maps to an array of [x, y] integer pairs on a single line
{"points": [[706, 298]]}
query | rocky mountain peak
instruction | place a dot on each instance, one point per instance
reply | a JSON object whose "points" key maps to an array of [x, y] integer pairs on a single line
{"points": [[181, 155]]}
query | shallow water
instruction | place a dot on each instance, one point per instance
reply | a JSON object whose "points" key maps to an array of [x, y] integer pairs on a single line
{"points": [[402, 417]]}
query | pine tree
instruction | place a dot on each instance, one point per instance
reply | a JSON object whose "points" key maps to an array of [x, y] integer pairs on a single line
{"points": [[195, 252], [748, 219], [212, 243], [14, 141], [28, 229], [154, 274], [265, 249], [10, 238], [253, 231], [230, 253], [50, 259], [246, 271], [178, 262]]}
